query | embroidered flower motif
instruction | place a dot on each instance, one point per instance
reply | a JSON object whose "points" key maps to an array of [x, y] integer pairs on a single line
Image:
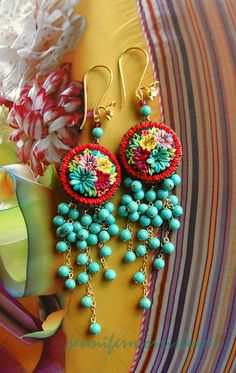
{"points": [[104, 164], [165, 139], [103, 182], [140, 158], [148, 142], [83, 181], [89, 162], [159, 160]]}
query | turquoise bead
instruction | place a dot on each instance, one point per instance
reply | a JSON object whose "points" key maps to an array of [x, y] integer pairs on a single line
{"points": [[158, 204], [81, 245], [139, 195], [82, 278], [126, 199], [109, 206], [159, 263], [145, 110], [73, 214], [82, 234], [166, 214], [105, 251], [135, 186], [140, 250], [168, 248], [63, 208], [103, 236], [86, 301], [174, 224], [152, 212], [138, 277], [173, 199], [145, 221], [71, 237], [142, 235], [125, 235], [96, 219], [58, 220], [61, 246], [92, 239], [63, 271], [176, 179], [70, 284], [110, 220], [122, 211], [168, 184], [134, 216], [76, 226], [86, 220], [68, 227], [127, 181], [97, 132], [154, 243], [157, 221], [103, 214], [145, 303], [113, 229], [82, 259], [132, 206], [142, 208], [60, 232], [95, 328], [93, 267], [129, 256], [177, 211], [95, 228], [162, 193], [110, 274], [150, 195]]}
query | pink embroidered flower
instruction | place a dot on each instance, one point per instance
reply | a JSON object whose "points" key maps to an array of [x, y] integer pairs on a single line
{"points": [[103, 182], [140, 157], [164, 139], [88, 162]]}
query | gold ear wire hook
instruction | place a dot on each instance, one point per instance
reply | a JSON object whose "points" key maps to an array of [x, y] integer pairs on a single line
{"points": [[98, 108], [138, 91]]}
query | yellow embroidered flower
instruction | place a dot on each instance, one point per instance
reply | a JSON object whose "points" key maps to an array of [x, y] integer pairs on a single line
{"points": [[148, 142], [113, 177], [5, 130], [104, 164]]}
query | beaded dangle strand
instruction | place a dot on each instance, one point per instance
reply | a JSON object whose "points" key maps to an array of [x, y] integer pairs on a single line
{"points": [[90, 175]]}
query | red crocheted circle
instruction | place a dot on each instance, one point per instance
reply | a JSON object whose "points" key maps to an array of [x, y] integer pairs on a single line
{"points": [[125, 144], [65, 180]]}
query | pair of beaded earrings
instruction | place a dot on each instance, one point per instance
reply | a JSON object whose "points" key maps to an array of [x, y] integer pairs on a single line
{"points": [[90, 174]]}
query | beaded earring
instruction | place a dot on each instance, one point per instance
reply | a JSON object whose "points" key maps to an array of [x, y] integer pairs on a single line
{"points": [[90, 175], [149, 153]]}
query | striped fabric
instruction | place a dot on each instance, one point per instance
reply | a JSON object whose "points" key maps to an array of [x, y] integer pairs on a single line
{"points": [[191, 327]]}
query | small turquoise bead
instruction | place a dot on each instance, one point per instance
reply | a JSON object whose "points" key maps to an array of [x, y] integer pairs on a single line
{"points": [[125, 235], [176, 179], [58, 220], [71, 237], [154, 243], [145, 221], [103, 236], [127, 181], [145, 303], [109, 206], [129, 257], [61, 246], [68, 227], [145, 110], [73, 214], [150, 195], [70, 284], [82, 278], [93, 267], [95, 328], [157, 221], [135, 186], [96, 219], [113, 229], [110, 274], [103, 214], [82, 234], [166, 214], [158, 204], [134, 216], [162, 193], [140, 250], [63, 271], [86, 301], [86, 220], [110, 220], [138, 277], [139, 195], [168, 248], [76, 226], [82, 259], [97, 132], [177, 211], [92, 239], [132, 206], [81, 245], [152, 212], [105, 251], [168, 184], [60, 232], [63, 208], [174, 199], [122, 211], [174, 224], [142, 235], [159, 263], [142, 208], [95, 228], [126, 199]]}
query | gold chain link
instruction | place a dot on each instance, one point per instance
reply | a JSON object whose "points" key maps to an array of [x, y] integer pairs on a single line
{"points": [[69, 263], [145, 259], [89, 289]]}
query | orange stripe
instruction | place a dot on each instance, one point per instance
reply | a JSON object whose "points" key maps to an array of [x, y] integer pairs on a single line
{"points": [[231, 359], [231, 11]]}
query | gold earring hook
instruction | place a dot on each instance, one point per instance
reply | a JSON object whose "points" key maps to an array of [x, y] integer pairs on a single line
{"points": [[138, 91], [98, 109]]}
